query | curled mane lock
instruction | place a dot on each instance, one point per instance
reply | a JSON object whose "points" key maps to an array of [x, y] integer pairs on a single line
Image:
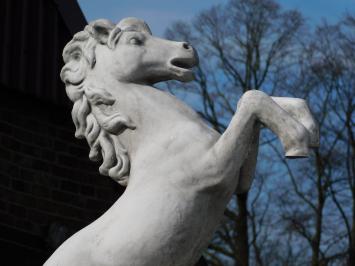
{"points": [[100, 129]]}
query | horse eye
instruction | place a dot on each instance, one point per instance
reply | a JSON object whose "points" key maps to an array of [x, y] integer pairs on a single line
{"points": [[135, 41], [76, 55]]}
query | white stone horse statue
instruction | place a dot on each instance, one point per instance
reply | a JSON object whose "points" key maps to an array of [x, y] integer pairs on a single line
{"points": [[179, 172]]}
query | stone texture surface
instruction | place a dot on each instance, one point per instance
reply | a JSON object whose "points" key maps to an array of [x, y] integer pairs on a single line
{"points": [[179, 173]]}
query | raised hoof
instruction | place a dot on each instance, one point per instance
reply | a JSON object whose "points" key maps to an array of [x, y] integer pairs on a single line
{"points": [[296, 153]]}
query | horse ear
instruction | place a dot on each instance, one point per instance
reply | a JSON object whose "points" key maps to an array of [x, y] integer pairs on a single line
{"points": [[113, 37], [100, 29]]}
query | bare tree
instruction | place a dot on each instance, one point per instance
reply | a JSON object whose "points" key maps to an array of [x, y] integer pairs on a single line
{"points": [[243, 45], [323, 188], [309, 217]]}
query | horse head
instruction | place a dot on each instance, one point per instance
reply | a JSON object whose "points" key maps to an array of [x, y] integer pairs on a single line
{"points": [[128, 53], [139, 57]]}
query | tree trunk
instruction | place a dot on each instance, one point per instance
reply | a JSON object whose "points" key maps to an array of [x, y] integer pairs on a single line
{"points": [[242, 244], [316, 239], [352, 239]]}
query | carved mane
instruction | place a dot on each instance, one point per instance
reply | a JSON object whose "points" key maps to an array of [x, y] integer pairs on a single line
{"points": [[79, 57]]}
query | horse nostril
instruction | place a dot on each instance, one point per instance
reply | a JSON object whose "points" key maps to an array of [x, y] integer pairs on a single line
{"points": [[186, 45]]}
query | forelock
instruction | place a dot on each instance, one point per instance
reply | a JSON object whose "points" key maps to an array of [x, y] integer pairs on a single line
{"points": [[134, 24]]}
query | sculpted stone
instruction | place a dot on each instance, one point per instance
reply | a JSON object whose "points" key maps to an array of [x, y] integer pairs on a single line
{"points": [[179, 173]]}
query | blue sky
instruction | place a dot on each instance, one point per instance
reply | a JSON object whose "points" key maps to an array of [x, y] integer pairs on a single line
{"points": [[161, 13]]}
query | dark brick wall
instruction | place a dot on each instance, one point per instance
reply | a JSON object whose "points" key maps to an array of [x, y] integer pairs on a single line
{"points": [[48, 187], [33, 35]]}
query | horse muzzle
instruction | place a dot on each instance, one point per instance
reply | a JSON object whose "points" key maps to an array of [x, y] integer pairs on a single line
{"points": [[181, 65]]}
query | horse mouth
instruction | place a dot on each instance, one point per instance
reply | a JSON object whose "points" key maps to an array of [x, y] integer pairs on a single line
{"points": [[182, 67], [185, 63]]}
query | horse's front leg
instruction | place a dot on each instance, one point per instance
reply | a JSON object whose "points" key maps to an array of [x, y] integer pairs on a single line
{"points": [[254, 107], [300, 111]]}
